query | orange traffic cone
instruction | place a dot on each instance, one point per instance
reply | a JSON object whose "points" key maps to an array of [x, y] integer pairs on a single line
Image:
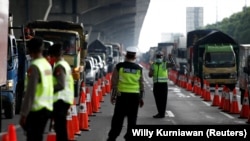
{"points": [[88, 103], [245, 107], [70, 128], [12, 132], [234, 107], [75, 119], [99, 91], [226, 106], [223, 96], [95, 99], [83, 115], [108, 89], [83, 89], [216, 99], [207, 93], [189, 84], [104, 93], [5, 137], [203, 90], [51, 136]]}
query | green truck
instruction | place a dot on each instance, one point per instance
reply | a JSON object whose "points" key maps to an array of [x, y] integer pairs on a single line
{"points": [[213, 56], [73, 37]]}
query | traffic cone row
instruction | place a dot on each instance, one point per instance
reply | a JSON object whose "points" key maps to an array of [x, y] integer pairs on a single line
{"points": [[227, 101]]}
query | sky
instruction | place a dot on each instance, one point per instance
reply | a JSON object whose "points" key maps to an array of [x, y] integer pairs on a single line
{"points": [[169, 16]]}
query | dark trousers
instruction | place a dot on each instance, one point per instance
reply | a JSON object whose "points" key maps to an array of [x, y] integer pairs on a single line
{"points": [[160, 91], [36, 123], [59, 115], [126, 106]]}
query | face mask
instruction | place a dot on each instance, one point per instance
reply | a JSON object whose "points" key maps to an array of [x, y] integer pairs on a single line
{"points": [[158, 60]]}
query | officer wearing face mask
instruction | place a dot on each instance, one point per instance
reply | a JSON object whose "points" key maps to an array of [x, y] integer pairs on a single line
{"points": [[159, 72]]}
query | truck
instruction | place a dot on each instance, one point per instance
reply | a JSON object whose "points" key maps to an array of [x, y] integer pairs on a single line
{"points": [[73, 37], [244, 66], [117, 52], [166, 48], [98, 48], [179, 54], [212, 55]]}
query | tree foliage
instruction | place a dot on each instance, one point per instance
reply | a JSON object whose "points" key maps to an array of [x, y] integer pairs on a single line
{"points": [[237, 26]]}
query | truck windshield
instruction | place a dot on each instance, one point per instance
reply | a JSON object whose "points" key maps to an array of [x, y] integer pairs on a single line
{"points": [[219, 59], [67, 39]]}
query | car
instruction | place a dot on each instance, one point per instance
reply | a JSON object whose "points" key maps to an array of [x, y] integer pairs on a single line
{"points": [[90, 73], [100, 64]]}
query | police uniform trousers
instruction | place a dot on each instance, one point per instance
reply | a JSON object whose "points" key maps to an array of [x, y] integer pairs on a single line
{"points": [[160, 91], [126, 106], [35, 124], [60, 110]]}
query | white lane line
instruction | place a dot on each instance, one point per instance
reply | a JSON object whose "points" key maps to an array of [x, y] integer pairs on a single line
{"points": [[169, 114], [208, 104], [192, 94], [227, 115]]}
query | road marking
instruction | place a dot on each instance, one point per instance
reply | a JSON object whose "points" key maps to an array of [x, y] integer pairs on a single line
{"points": [[169, 113], [192, 94], [181, 95], [227, 115], [208, 104]]}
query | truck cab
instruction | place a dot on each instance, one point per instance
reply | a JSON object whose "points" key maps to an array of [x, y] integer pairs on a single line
{"points": [[219, 65], [73, 38], [9, 90]]}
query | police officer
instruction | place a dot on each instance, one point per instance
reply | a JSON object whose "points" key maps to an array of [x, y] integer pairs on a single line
{"points": [[63, 91], [159, 72], [37, 104], [127, 94]]}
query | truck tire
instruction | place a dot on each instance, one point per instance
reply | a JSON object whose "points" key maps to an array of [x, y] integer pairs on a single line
{"points": [[9, 110]]}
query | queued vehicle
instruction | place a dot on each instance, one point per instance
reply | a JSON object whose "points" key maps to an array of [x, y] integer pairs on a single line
{"points": [[90, 71]]}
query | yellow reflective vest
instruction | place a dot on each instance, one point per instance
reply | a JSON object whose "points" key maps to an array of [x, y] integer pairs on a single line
{"points": [[44, 89], [160, 72], [129, 80], [67, 94]]}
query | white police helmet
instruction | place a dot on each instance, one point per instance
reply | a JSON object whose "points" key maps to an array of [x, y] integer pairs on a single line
{"points": [[132, 50]]}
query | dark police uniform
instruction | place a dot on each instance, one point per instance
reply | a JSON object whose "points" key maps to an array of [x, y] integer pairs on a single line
{"points": [[159, 72], [127, 89]]}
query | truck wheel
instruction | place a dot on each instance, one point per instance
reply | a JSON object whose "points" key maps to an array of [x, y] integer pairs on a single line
{"points": [[9, 110]]}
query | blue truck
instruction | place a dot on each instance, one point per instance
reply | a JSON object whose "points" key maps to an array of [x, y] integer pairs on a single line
{"points": [[17, 64]]}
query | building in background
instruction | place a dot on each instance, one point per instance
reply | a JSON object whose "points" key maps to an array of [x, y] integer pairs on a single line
{"points": [[194, 18]]}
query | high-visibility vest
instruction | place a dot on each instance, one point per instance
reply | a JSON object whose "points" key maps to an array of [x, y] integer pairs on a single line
{"points": [[129, 80], [67, 94], [44, 89], [160, 72]]}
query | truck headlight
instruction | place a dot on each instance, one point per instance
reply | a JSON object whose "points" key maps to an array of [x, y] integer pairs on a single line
{"points": [[233, 75], [206, 76], [9, 84]]}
